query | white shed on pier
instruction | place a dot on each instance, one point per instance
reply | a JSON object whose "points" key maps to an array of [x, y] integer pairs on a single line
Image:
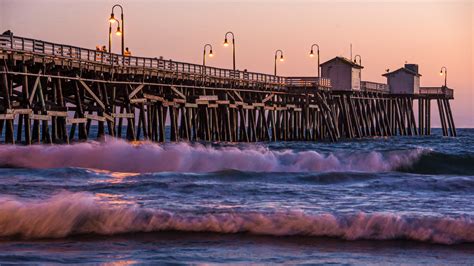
{"points": [[405, 80], [345, 75]]}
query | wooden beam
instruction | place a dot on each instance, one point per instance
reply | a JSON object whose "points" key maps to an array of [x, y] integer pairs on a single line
{"points": [[108, 117], [208, 98], [238, 96], [180, 94], [35, 87], [191, 105], [7, 116], [19, 111], [202, 102], [94, 117], [153, 97], [76, 121], [268, 98], [136, 90], [98, 101], [123, 115], [56, 113], [40, 117], [138, 100], [179, 100]]}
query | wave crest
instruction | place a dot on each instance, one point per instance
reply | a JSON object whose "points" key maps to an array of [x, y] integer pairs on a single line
{"points": [[69, 214], [118, 155]]}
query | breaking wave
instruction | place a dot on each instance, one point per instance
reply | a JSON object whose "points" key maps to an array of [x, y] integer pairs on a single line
{"points": [[68, 214], [118, 155], [441, 163]]}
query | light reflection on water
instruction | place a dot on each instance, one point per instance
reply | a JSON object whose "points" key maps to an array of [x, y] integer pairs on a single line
{"points": [[115, 199], [115, 177]]}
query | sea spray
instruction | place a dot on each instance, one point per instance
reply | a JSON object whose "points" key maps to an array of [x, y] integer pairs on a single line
{"points": [[68, 214], [118, 155]]}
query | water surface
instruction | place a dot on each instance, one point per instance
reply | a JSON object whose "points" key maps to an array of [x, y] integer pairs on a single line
{"points": [[370, 201]]}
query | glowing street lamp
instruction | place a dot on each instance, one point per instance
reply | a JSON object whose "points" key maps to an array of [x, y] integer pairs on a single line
{"points": [[276, 57], [226, 44], [204, 53], [311, 54], [120, 30], [112, 18], [445, 75]]}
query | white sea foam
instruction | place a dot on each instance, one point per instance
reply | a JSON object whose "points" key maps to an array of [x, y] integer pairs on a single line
{"points": [[69, 214], [118, 155]]}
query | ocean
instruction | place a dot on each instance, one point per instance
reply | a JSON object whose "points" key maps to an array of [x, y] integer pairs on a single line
{"points": [[398, 200]]}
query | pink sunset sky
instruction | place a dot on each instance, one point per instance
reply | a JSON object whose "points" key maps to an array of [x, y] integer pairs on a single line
{"points": [[385, 33]]}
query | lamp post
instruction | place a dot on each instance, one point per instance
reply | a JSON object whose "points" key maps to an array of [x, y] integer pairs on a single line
{"points": [[226, 43], [445, 74], [112, 19], [360, 59], [204, 53], [276, 57], [110, 36], [311, 54], [118, 33]]}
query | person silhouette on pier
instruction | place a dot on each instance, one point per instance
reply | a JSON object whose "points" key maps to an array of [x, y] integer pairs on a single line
{"points": [[8, 33], [246, 74], [127, 52], [98, 53], [126, 55]]}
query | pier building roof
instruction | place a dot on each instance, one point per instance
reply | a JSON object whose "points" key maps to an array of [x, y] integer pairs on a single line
{"points": [[343, 60], [404, 69]]}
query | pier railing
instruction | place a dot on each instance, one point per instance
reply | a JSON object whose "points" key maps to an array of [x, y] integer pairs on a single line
{"points": [[308, 82], [447, 92], [374, 86], [27, 45]]}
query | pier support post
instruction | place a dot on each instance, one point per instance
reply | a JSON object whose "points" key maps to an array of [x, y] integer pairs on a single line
{"points": [[7, 105]]}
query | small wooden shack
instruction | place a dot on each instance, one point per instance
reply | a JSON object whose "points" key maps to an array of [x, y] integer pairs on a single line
{"points": [[405, 80], [345, 75]]}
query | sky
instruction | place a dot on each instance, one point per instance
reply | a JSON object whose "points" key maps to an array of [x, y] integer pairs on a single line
{"points": [[386, 34]]}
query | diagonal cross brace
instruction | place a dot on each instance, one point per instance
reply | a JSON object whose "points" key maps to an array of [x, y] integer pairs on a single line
{"points": [[268, 98], [99, 102], [35, 87], [238, 96], [135, 91], [178, 92]]}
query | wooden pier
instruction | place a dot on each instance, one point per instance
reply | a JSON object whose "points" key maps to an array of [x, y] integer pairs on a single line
{"points": [[53, 93]]}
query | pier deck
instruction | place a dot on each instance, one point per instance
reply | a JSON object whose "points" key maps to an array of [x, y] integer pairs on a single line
{"points": [[53, 93]]}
